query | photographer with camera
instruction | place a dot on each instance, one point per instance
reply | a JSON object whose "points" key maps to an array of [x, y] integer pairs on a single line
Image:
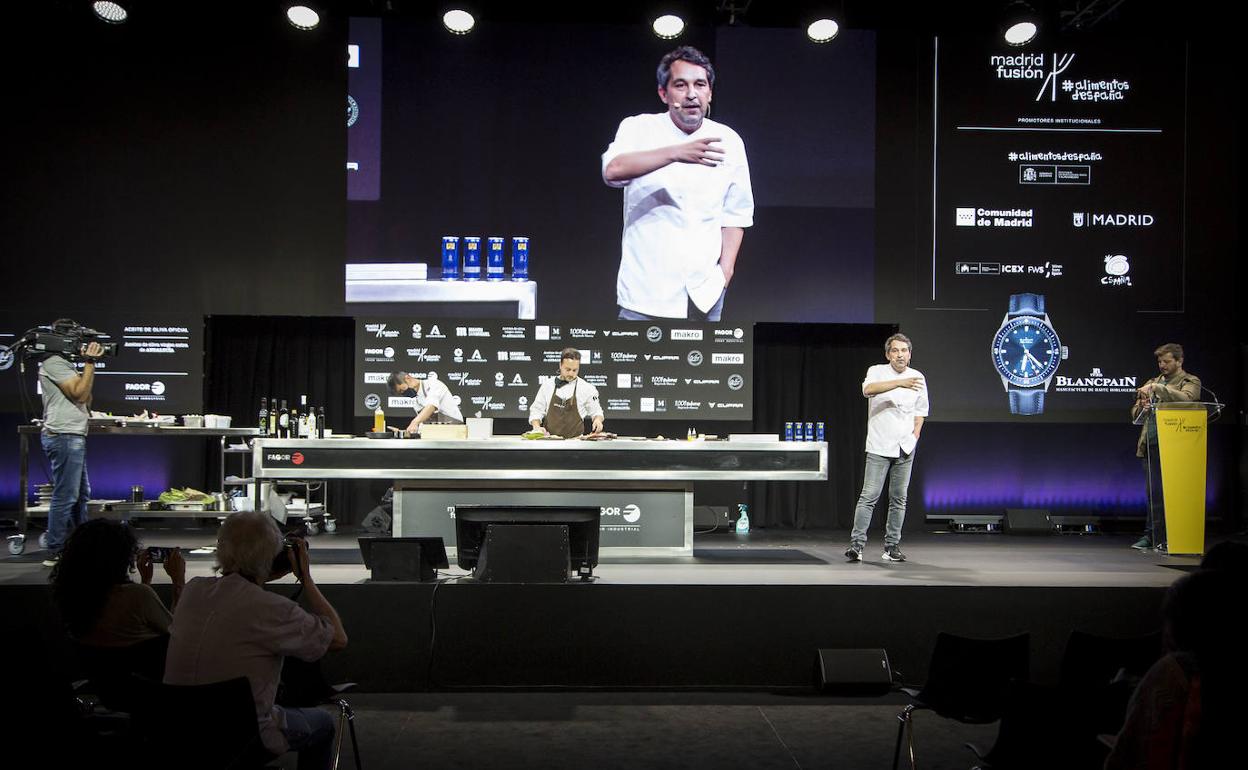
{"points": [[229, 626], [66, 412]]}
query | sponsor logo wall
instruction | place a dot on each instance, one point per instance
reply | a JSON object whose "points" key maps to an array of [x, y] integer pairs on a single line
{"points": [[158, 367], [656, 370], [1057, 173]]}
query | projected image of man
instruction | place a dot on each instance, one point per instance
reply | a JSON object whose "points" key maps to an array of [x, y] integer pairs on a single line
{"points": [[896, 408], [1173, 384], [66, 417], [687, 198]]}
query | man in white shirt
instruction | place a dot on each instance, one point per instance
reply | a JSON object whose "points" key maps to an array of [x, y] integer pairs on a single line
{"points": [[896, 408], [562, 404], [687, 198], [431, 399]]}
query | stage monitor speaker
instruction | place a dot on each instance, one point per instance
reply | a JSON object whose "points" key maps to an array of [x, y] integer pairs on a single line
{"points": [[1028, 521], [413, 559], [853, 672], [524, 553]]}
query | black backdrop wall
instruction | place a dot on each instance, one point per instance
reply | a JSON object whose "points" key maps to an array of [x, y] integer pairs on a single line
{"points": [[199, 166]]}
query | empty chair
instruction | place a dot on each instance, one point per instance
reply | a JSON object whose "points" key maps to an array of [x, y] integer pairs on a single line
{"points": [[200, 725], [968, 680]]}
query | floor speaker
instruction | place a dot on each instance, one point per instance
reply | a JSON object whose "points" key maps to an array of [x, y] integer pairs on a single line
{"points": [[853, 672], [1028, 521], [524, 553]]}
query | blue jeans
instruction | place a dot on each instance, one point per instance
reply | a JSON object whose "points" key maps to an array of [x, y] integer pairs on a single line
{"points": [[693, 314], [67, 456], [310, 732], [897, 469]]}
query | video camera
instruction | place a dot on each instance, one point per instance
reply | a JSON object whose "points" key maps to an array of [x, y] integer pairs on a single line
{"points": [[66, 338]]}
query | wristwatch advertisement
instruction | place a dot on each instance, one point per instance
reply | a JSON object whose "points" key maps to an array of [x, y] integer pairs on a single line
{"points": [[1026, 352]]}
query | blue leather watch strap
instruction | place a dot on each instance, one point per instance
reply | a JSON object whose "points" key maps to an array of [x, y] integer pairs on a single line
{"points": [[1027, 304], [1030, 401]]}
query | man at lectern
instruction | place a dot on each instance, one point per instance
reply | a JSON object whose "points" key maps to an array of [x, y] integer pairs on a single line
{"points": [[1173, 384]]}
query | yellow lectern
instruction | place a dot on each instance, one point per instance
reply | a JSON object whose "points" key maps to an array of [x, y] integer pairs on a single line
{"points": [[1182, 428]]}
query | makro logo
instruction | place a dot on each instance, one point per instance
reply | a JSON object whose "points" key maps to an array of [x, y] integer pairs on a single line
{"points": [[654, 334], [686, 334], [694, 358], [727, 358], [380, 330], [971, 216], [376, 378], [1082, 219], [1117, 267]]}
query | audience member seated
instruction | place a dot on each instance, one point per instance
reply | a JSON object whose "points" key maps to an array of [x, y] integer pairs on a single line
{"points": [[1183, 713], [119, 627], [230, 626]]}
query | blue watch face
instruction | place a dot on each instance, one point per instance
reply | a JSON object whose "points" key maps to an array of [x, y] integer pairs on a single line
{"points": [[1026, 351]]}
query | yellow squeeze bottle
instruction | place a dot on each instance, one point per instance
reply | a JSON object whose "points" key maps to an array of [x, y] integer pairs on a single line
{"points": [[379, 421]]}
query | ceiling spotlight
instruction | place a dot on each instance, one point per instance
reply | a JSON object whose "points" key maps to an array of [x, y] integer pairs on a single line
{"points": [[112, 13], [822, 30], [668, 26], [302, 17], [1020, 24], [458, 21]]}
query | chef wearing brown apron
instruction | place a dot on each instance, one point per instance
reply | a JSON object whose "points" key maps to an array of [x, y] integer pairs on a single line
{"points": [[564, 415]]}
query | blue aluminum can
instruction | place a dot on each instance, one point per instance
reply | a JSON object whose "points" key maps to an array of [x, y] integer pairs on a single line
{"points": [[788, 431], [810, 431], [494, 259], [450, 257], [472, 258], [520, 258], [818, 431]]}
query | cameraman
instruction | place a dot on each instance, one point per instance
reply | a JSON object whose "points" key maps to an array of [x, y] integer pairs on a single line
{"points": [[229, 626], [66, 412]]}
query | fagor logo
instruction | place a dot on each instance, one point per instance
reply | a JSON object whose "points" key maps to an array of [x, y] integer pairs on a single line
{"points": [[156, 388]]}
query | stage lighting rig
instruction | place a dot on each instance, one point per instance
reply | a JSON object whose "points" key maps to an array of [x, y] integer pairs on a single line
{"points": [[823, 30], [1020, 23], [302, 17], [668, 26], [110, 13], [458, 21]]}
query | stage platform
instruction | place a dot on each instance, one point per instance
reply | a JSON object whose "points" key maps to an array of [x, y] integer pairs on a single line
{"points": [[744, 612]]}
